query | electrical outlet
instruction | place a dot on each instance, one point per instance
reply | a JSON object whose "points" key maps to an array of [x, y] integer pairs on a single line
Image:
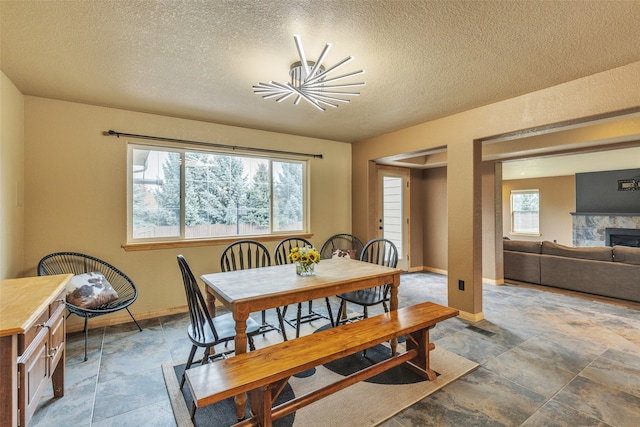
{"points": [[461, 285]]}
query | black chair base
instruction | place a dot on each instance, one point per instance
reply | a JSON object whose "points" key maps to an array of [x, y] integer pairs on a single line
{"points": [[86, 331], [311, 316], [268, 327]]}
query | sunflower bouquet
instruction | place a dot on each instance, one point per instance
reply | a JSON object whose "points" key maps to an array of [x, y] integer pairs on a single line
{"points": [[305, 259]]}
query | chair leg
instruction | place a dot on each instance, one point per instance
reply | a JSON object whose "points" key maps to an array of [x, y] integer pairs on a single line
{"points": [[339, 317], [86, 337], [205, 356], [193, 410], [281, 322], [330, 312], [298, 319], [134, 319], [310, 306], [188, 365]]}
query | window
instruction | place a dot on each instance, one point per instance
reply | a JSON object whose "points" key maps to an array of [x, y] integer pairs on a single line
{"points": [[179, 194], [525, 212]]}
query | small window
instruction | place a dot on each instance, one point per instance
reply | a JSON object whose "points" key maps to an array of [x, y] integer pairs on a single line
{"points": [[177, 194], [525, 212]]}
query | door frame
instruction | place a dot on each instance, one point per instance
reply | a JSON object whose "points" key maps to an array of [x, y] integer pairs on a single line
{"points": [[405, 175]]}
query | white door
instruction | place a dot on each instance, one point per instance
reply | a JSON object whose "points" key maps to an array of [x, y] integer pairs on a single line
{"points": [[393, 210]]}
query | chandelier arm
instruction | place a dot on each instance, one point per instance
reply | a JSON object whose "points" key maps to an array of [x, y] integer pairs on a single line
{"points": [[271, 95], [333, 79], [303, 58], [318, 63], [330, 69], [264, 88], [333, 98], [305, 96], [269, 88], [343, 85], [330, 92], [327, 103], [285, 87], [283, 97]]}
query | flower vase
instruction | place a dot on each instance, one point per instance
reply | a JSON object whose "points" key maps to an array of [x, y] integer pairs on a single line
{"points": [[305, 269]]}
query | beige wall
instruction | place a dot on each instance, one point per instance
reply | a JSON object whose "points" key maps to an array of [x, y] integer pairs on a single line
{"points": [[435, 237], [433, 213], [76, 190], [557, 200], [600, 94], [11, 179]]}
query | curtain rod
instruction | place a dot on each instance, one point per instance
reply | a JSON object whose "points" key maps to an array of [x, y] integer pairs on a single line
{"points": [[211, 144]]}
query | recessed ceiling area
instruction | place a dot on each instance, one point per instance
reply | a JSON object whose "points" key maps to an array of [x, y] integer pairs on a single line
{"points": [[570, 164], [535, 167]]}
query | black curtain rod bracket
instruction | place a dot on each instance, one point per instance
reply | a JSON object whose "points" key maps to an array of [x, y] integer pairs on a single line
{"points": [[211, 144]]}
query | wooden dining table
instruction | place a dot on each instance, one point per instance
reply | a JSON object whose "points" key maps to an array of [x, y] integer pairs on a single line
{"points": [[249, 291]]}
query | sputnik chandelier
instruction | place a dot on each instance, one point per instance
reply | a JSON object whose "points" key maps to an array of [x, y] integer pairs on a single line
{"points": [[309, 81]]}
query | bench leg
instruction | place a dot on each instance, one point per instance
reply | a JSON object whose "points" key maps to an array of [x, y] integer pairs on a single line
{"points": [[262, 402], [419, 340]]}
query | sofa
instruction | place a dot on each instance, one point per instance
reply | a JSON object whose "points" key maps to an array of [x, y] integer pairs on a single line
{"points": [[607, 271]]}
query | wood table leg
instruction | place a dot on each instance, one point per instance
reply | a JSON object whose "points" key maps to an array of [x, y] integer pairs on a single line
{"points": [[393, 303], [240, 343], [211, 302]]}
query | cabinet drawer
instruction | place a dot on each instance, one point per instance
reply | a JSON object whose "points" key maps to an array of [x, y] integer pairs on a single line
{"points": [[56, 327], [60, 300], [25, 340], [33, 375]]}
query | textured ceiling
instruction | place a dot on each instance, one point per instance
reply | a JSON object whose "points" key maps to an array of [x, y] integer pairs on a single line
{"points": [[422, 59]]}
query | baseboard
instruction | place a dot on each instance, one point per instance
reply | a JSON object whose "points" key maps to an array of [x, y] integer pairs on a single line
{"points": [[471, 317], [117, 319], [435, 270], [421, 268]]}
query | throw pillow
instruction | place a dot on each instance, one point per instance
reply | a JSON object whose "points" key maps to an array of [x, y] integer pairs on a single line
{"points": [[90, 290]]}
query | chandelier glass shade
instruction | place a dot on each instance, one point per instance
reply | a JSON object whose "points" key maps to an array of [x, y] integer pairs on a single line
{"points": [[310, 81]]}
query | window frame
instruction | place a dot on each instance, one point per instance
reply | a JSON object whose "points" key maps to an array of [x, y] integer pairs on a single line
{"points": [[183, 241], [514, 212]]}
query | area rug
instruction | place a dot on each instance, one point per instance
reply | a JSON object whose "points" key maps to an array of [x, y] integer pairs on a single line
{"points": [[365, 404]]}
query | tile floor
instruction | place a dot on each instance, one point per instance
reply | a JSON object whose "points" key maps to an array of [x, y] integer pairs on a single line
{"points": [[546, 359]]}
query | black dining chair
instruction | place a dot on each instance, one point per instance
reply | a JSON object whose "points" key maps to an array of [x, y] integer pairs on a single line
{"points": [[76, 263], [246, 254], [281, 257], [377, 251], [204, 330], [341, 245]]}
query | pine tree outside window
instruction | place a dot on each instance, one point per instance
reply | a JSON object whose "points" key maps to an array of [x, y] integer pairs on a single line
{"points": [[224, 195], [525, 212]]}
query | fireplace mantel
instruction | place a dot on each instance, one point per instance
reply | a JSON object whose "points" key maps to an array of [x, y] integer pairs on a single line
{"points": [[605, 213]]}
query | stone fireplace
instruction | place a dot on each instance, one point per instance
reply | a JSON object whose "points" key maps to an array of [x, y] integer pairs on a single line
{"points": [[605, 208], [592, 229]]}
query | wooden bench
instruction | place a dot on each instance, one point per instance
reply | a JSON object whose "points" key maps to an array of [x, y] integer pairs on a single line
{"points": [[264, 372]]}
